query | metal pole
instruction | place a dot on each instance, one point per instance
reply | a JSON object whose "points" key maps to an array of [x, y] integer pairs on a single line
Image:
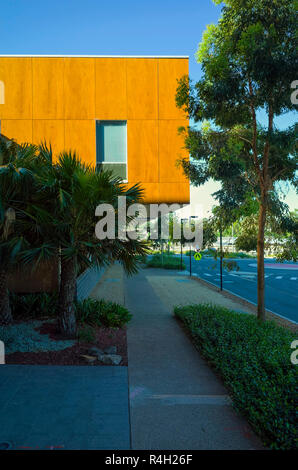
{"points": [[190, 261], [181, 254], [220, 245]]}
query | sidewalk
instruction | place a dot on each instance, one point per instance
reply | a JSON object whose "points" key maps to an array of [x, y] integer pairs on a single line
{"points": [[111, 285], [176, 401], [64, 407]]}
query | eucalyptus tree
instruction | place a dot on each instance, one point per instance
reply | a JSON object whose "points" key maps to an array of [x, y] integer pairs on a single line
{"points": [[249, 61]]}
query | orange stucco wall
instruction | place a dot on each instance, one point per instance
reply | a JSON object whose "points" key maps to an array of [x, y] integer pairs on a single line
{"points": [[59, 99]]}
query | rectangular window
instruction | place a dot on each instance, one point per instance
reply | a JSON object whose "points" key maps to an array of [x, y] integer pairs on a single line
{"points": [[111, 146]]}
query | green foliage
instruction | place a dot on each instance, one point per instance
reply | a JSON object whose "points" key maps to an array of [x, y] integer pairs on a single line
{"points": [[289, 250], [209, 232], [281, 232], [89, 312], [237, 254], [48, 209], [101, 313], [253, 358], [189, 252], [35, 305], [247, 241], [67, 221], [141, 258], [86, 334], [165, 262], [248, 60]]}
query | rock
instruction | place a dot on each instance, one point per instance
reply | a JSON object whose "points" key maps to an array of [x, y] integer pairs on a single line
{"points": [[110, 359], [95, 351], [111, 350], [89, 359]]}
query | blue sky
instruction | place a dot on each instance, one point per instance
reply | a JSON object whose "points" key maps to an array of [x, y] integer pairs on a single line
{"points": [[130, 27], [140, 27]]}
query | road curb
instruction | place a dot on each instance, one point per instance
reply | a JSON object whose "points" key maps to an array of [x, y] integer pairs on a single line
{"points": [[250, 305]]}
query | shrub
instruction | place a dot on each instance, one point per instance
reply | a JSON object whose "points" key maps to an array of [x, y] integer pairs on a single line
{"points": [[86, 334], [165, 261], [101, 313], [254, 360], [88, 311], [187, 252], [238, 254], [34, 305]]}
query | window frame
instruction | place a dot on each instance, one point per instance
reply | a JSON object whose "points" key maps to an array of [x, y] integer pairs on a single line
{"points": [[102, 121]]}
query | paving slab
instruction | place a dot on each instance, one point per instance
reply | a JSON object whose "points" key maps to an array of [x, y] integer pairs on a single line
{"points": [[176, 400], [110, 287], [64, 407]]}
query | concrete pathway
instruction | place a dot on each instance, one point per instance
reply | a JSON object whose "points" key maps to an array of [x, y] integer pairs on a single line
{"points": [[168, 398], [176, 401], [64, 407], [111, 285]]}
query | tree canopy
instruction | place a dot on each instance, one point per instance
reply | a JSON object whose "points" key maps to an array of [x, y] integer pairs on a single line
{"points": [[249, 60]]}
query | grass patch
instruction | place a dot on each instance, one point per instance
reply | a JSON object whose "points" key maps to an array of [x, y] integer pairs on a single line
{"points": [[165, 262], [226, 254], [238, 254], [253, 359]]}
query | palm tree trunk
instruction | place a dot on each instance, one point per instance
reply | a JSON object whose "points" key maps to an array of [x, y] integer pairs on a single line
{"points": [[67, 292], [5, 310], [261, 267]]}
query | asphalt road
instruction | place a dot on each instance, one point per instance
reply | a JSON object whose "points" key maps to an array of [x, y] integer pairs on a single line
{"points": [[281, 294]]}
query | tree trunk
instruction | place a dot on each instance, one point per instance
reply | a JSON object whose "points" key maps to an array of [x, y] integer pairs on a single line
{"points": [[5, 311], [67, 292], [261, 267]]}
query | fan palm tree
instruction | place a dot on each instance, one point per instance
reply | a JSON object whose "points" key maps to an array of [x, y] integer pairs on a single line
{"points": [[16, 186], [73, 191]]}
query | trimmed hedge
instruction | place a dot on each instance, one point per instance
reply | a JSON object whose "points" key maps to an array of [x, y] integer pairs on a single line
{"points": [[165, 262], [253, 359]]}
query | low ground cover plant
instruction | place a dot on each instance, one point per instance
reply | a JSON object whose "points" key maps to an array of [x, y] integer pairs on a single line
{"points": [[101, 313], [253, 358], [89, 311], [37, 305], [165, 261]]}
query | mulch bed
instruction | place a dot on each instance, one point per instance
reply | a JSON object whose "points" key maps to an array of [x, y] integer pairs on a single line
{"points": [[104, 337]]}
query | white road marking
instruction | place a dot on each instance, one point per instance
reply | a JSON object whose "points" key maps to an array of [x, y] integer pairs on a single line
{"points": [[243, 276], [206, 274], [293, 278], [278, 277], [249, 273], [277, 266]]}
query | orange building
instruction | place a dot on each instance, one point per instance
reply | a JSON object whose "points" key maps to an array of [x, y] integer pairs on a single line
{"points": [[118, 112]]}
